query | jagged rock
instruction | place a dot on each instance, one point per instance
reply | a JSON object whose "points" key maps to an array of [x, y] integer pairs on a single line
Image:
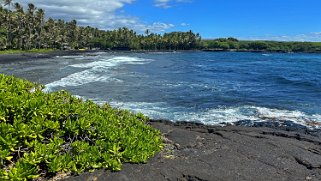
{"points": [[196, 152]]}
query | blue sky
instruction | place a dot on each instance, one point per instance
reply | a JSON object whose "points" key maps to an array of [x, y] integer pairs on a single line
{"points": [[296, 20]]}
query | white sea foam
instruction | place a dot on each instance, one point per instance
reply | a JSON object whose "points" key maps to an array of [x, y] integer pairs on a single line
{"points": [[79, 78], [98, 71], [155, 110], [217, 116], [234, 114], [70, 56], [111, 62]]}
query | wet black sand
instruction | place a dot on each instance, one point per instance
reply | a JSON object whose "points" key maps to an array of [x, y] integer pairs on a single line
{"points": [[7, 58]]}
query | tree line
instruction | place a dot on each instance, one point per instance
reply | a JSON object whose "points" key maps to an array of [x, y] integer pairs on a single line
{"points": [[27, 29], [233, 44]]}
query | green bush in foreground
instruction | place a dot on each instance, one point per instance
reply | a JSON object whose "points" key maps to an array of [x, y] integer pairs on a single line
{"points": [[42, 134]]}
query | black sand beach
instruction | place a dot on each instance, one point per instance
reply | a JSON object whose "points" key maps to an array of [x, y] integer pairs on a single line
{"points": [[7, 58]]}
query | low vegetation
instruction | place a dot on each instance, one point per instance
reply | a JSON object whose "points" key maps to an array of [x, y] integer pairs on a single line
{"points": [[42, 134], [272, 46]]}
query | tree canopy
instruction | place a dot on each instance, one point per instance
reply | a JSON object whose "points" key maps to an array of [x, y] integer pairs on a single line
{"points": [[28, 29], [272, 46]]}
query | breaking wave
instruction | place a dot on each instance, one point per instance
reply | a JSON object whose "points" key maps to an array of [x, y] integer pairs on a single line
{"points": [[219, 116], [97, 71]]}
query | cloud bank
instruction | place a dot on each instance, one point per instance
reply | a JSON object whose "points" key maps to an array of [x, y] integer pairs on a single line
{"points": [[103, 14]]}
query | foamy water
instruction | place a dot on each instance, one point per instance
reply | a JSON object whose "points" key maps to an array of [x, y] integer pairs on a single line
{"points": [[210, 88], [219, 116], [97, 71]]}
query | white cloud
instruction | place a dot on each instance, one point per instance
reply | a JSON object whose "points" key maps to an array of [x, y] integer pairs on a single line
{"points": [[168, 3], [308, 37], [159, 27], [103, 14], [162, 3], [184, 24]]}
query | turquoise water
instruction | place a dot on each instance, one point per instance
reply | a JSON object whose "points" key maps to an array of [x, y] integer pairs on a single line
{"points": [[207, 87]]}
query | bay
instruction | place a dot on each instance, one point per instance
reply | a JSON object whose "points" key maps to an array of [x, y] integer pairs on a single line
{"points": [[207, 87]]}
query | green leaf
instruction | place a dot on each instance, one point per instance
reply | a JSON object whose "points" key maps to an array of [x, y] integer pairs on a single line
{"points": [[60, 133]]}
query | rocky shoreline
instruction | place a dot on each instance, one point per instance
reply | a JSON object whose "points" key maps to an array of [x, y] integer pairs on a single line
{"points": [[196, 152]]}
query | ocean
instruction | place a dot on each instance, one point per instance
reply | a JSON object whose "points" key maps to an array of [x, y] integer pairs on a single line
{"points": [[214, 88]]}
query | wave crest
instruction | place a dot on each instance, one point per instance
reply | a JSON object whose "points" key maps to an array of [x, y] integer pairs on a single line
{"points": [[224, 115], [97, 71]]}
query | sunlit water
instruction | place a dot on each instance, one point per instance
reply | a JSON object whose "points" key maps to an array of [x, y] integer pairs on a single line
{"points": [[206, 87]]}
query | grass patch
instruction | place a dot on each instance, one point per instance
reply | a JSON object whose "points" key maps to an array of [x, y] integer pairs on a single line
{"points": [[42, 134], [3, 52]]}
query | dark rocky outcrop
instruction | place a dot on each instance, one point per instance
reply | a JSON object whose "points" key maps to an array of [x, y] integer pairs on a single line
{"points": [[195, 152]]}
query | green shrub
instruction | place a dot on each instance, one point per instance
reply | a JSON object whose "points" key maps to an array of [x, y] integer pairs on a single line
{"points": [[42, 134]]}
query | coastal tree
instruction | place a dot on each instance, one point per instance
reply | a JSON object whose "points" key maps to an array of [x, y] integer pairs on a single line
{"points": [[29, 29], [8, 21]]}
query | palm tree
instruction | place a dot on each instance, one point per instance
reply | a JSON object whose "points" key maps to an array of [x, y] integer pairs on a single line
{"points": [[40, 15], [31, 25], [29, 29], [147, 32], [8, 20], [19, 28], [3, 35]]}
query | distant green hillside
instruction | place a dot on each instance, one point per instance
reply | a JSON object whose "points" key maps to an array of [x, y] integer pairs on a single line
{"points": [[273, 46]]}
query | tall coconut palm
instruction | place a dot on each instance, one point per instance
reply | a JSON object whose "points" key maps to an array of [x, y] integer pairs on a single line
{"points": [[26, 30], [40, 15], [31, 25], [8, 20], [19, 28], [3, 35]]}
